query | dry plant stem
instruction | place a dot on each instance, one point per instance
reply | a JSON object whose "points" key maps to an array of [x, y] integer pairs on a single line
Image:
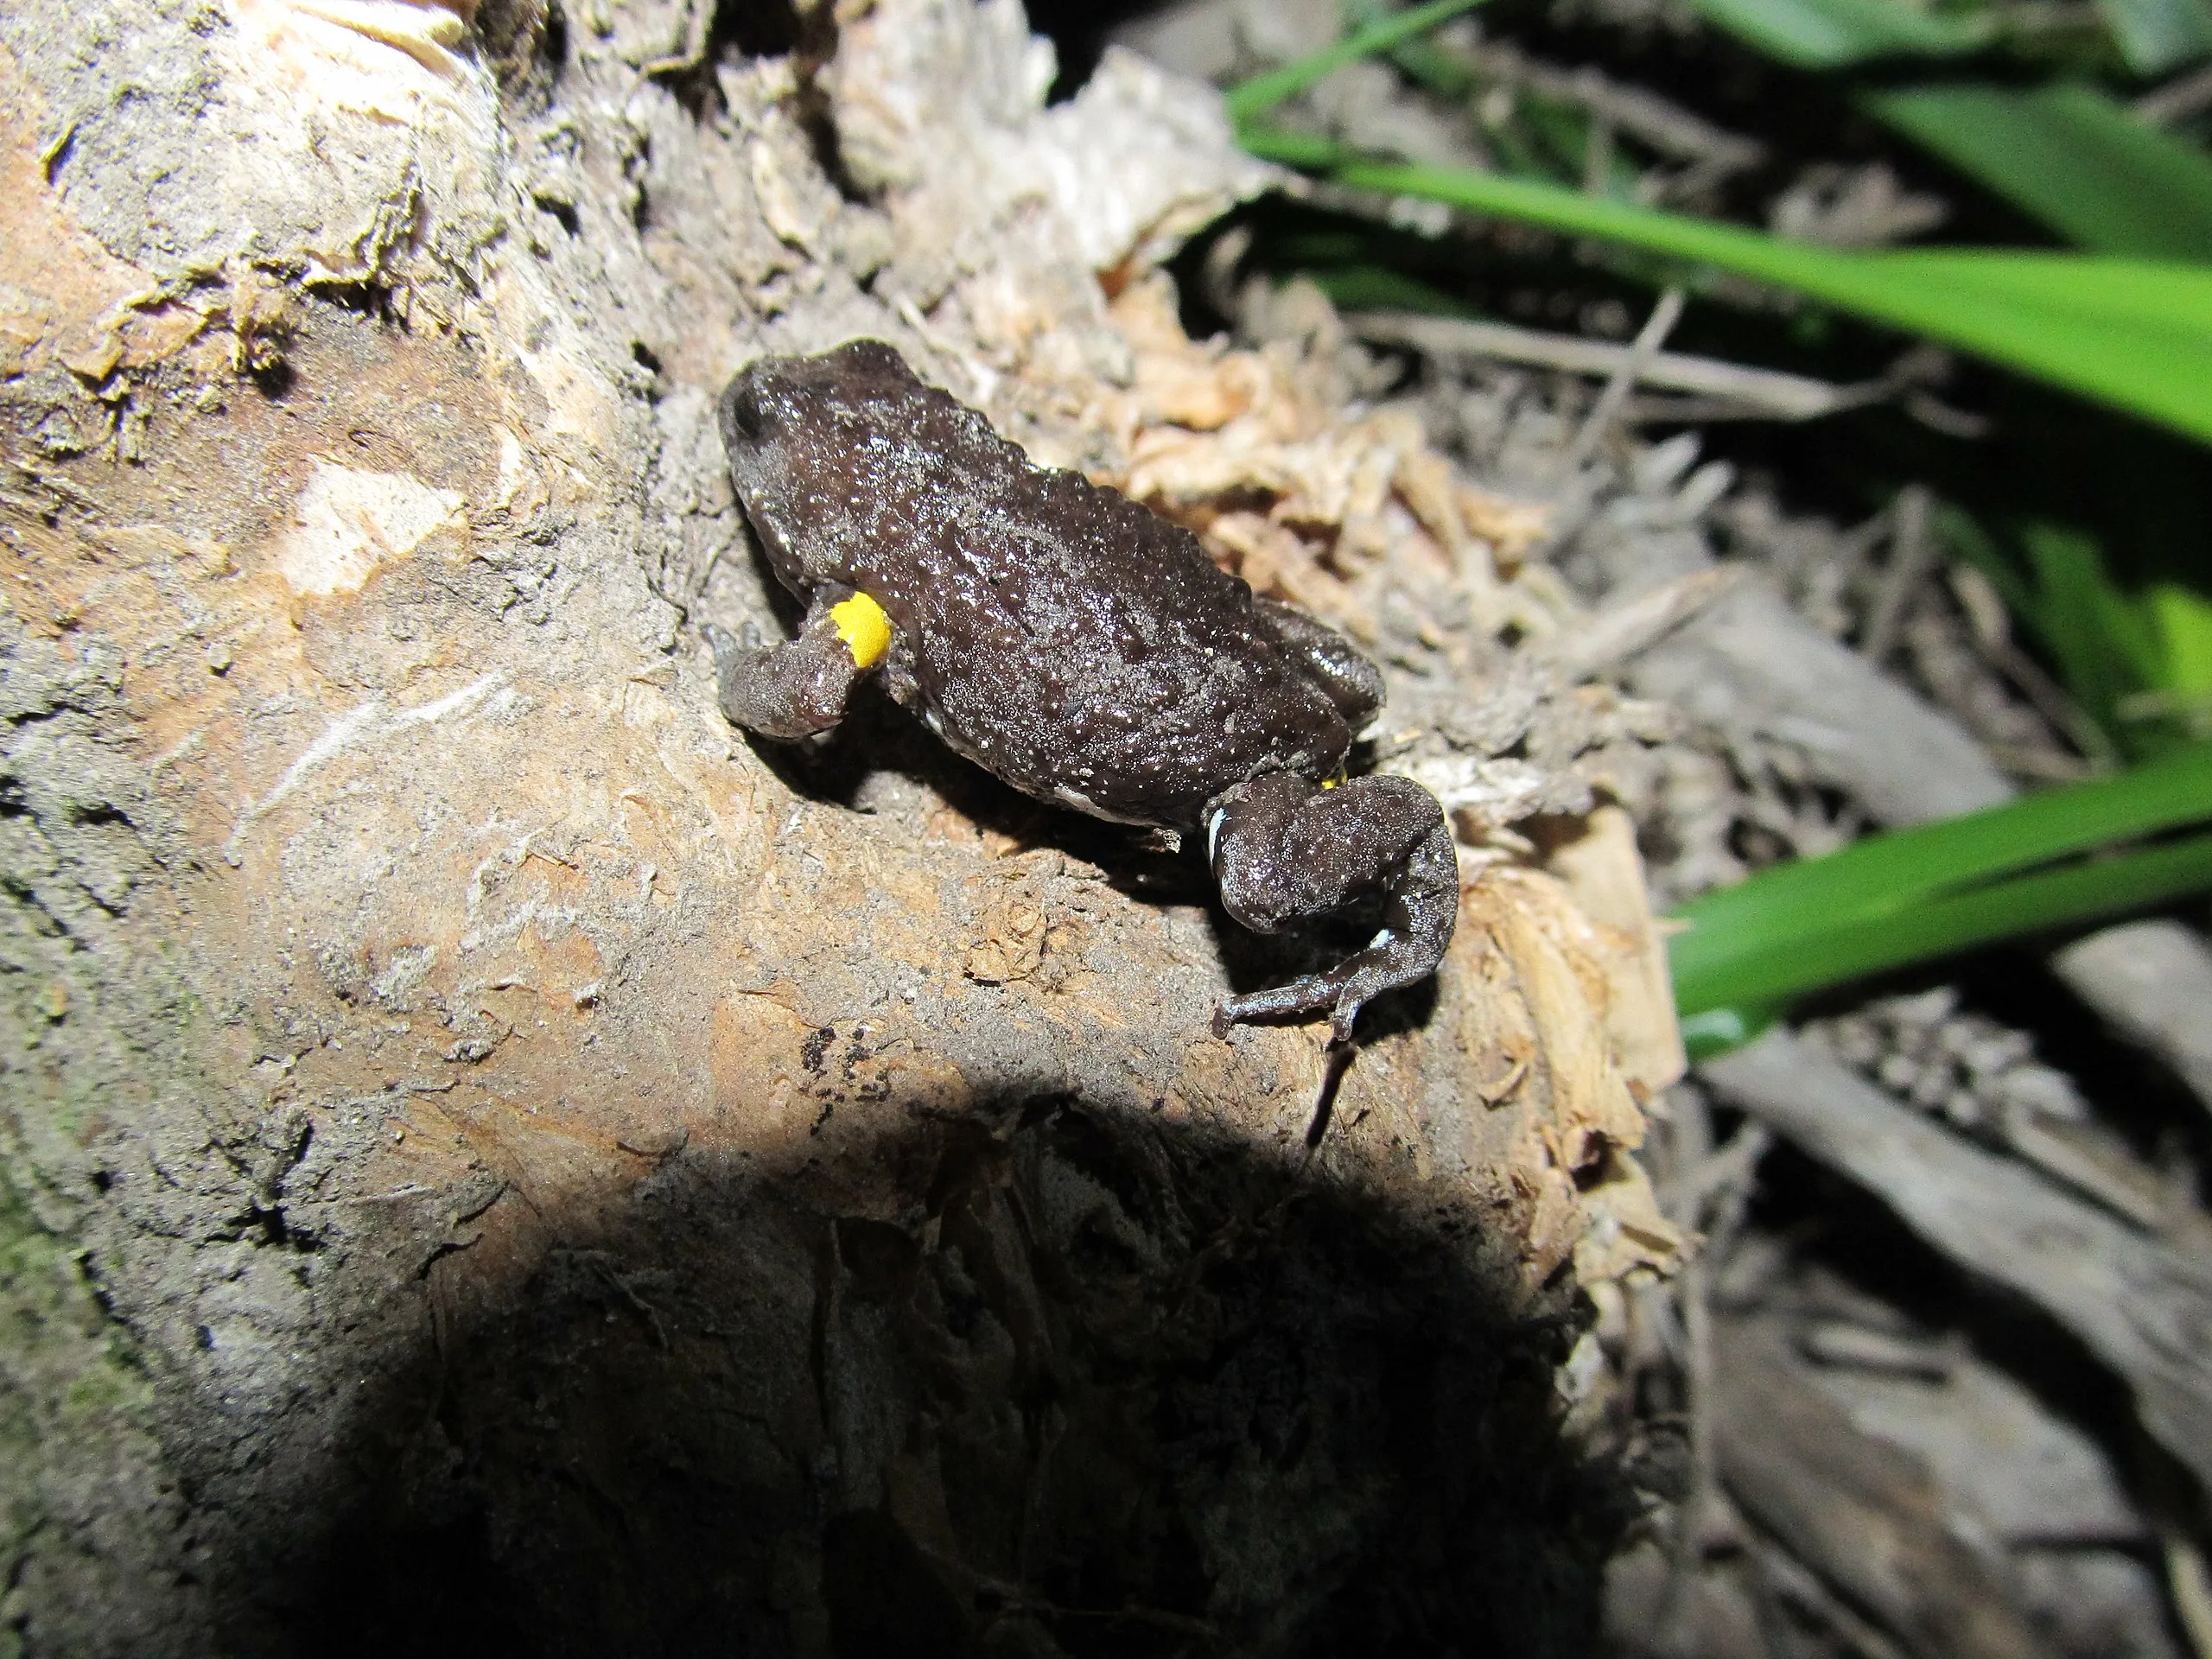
{"points": [[1597, 153], [1622, 631], [1764, 392], [1990, 627], [1643, 115], [1782, 1577], [1720, 1179], [1606, 414], [2190, 1586], [2142, 1306], [1696, 1517], [1711, 1195], [1912, 555], [1691, 1143], [2065, 1161]]}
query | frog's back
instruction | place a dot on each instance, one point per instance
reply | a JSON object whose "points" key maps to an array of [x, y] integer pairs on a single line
{"points": [[1065, 637]]}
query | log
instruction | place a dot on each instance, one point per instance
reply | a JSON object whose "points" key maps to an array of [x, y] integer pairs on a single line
{"points": [[2152, 981], [492, 1156]]}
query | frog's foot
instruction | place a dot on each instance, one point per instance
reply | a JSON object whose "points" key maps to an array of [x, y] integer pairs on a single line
{"points": [[1285, 849], [796, 688]]}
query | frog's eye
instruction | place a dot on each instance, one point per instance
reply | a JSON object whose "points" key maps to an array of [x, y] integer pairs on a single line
{"points": [[742, 412]]}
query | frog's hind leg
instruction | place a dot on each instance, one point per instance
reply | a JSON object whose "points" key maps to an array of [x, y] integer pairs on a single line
{"points": [[796, 688], [1285, 849]]}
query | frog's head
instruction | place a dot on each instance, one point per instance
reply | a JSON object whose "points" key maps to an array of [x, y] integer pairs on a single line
{"points": [[792, 425], [779, 401]]}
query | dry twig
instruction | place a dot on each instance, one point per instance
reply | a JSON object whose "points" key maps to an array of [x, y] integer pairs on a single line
{"points": [[1607, 412], [1765, 392]]}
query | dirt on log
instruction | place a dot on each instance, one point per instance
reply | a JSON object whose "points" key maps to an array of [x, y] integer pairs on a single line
{"points": [[492, 1158]]}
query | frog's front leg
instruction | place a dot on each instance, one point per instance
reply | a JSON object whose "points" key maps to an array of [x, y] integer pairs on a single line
{"points": [[1285, 849], [1332, 662], [796, 688]]}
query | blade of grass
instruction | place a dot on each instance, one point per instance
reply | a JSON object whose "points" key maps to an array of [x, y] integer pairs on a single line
{"points": [[1714, 1032], [1263, 92], [1835, 33], [2182, 620], [2134, 333], [2068, 156], [2106, 646], [1434, 68], [1886, 874], [1820, 955], [2155, 36]]}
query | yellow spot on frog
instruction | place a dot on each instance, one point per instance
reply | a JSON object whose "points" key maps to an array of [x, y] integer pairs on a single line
{"points": [[863, 628], [1331, 783]]}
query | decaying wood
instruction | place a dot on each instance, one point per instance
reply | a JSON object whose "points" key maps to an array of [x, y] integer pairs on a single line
{"points": [[1861, 1513], [2153, 982], [2140, 1306]]}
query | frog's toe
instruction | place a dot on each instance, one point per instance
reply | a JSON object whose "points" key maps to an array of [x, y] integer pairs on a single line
{"points": [[723, 643]]}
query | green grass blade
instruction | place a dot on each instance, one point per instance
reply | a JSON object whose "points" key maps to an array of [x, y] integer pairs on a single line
{"points": [[2137, 663], [2106, 645], [1822, 955], [1885, 875], [1443, 73], [2070, 157], [1711, 1032], [1263, 92], [2181, 620], [2134, 333], [2155, 36], [1835, 33]]}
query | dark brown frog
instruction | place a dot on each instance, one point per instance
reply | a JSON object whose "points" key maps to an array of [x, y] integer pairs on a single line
{"points": [[1079, 647]]}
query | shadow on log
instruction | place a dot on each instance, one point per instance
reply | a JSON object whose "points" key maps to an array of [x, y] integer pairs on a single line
{"points": [[1095, 1390]]}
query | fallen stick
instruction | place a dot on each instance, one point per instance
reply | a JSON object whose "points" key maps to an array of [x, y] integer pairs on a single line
{"points": [[2153, 981], [2142, 1307], [1784, 397], [1750, 662]]}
